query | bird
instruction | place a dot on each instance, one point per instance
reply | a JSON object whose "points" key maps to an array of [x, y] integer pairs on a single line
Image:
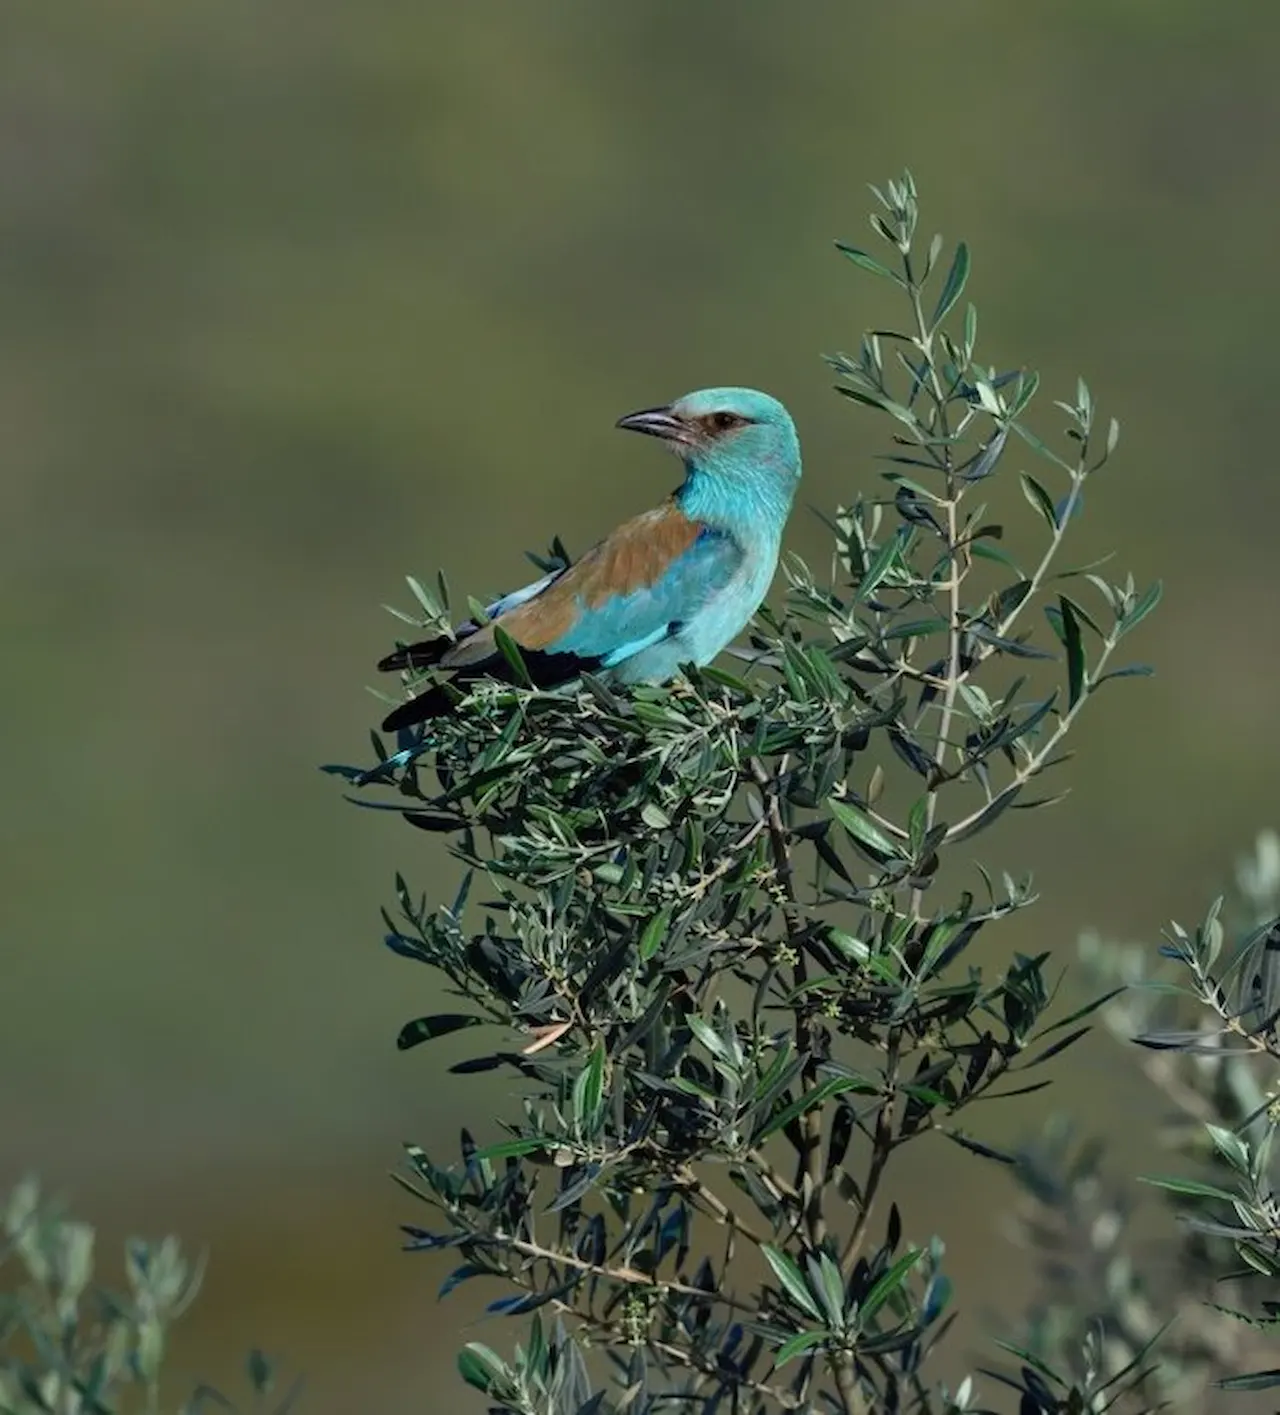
{"points": [[672, 585]]}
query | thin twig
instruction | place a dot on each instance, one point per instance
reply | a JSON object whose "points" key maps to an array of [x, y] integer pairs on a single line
{"points": [[682, 1357], [882, 1144], [809, 1163], [1036, 760], [719, 1209], [631, 1277], [783, 1190]]}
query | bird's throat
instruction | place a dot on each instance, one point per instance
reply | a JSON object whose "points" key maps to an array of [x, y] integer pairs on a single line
{"points": [[750, 507]]}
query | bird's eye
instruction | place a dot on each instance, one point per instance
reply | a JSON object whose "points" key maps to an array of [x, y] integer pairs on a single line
{"points": [[722, 422]]}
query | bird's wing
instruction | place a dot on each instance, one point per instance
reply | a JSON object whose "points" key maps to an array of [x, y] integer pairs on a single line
{"points": [[638, 587], [427, 653], [632, 590]]}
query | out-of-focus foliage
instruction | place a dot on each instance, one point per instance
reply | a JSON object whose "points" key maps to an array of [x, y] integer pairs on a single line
{"points": [[717, 915], [1205, 1285], [69, 1346]]}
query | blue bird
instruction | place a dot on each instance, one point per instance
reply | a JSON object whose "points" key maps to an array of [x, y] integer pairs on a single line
{"points": [[671, 586]]}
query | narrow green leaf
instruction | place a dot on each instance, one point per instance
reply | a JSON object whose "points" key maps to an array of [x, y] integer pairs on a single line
{"points": [[510, 650], [984, 463], [725, 680], [1070, 1039], [868, 262], [1054, 614], [897, 479], [1231, 1147], [917, 824], [1039, 498], [707, 1035], [1255, 1380], [852, 947], [989, 813], [953, 288], [984, 550], [967, 1142], [1143, 606], [917, 629], [782, 1071], [655, 932], [1130, 670], [832, 1291], [887, 1284], [1075, 651], [793, 1283], [402, 616], [1028, 385], [1041, 447], [863, 829], [833, 1086], [988, 397], [1082, 1012], [1029, 1089], [1032, 1360], [538, 1357], [937, 1296], [970, 330], [588, 1089], [1017, 648], [424, 597], [878, 568], [506, 1149], [883, 403], [1010, 598], [691, 1088], [926, 1095], [935, 250], [1193, 1188], [798, 1345], [427, 1029], [1259, 1262], [480, 1367]]}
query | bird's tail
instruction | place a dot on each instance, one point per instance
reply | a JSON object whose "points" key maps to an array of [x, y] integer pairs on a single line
{"points": [[426, 653], [435, 702]]}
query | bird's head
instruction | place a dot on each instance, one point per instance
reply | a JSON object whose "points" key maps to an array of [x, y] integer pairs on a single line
{"points": [[735, 436]]}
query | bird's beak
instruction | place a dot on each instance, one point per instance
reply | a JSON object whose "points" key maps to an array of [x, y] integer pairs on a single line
{"points": [[657, 422]]}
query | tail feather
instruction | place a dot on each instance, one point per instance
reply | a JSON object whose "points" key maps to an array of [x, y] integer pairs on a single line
{"points": [[435, 702]]}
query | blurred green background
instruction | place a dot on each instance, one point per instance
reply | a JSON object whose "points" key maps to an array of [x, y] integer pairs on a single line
{"points": [[297, 297]]}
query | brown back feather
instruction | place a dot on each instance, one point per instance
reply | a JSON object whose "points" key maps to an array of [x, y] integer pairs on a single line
{"points": [[634, 557]]}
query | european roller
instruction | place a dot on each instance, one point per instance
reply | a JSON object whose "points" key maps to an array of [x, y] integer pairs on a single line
{"points": [[670, 586]]}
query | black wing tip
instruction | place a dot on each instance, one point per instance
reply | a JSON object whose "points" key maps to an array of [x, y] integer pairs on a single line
{"points": [[423, 654]]}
